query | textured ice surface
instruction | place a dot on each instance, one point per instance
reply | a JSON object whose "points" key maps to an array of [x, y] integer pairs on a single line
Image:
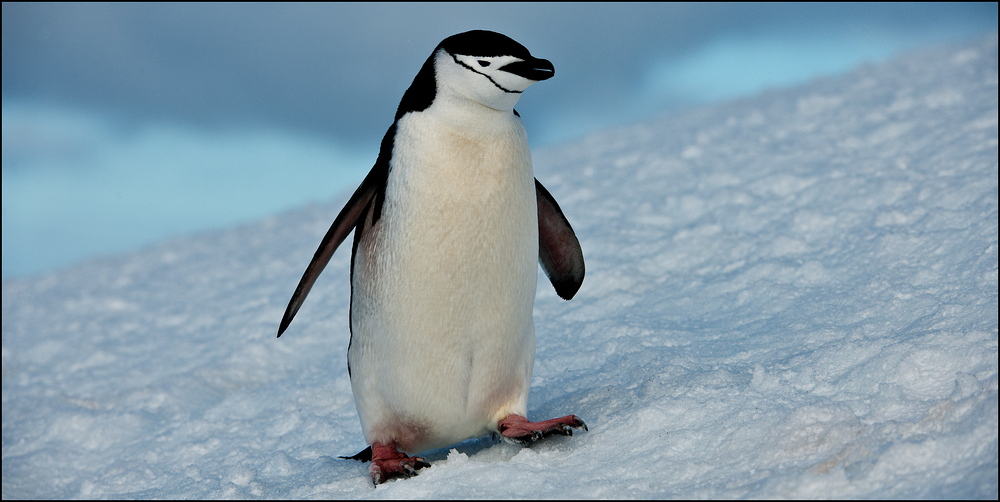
{"points": [[793, 295]]}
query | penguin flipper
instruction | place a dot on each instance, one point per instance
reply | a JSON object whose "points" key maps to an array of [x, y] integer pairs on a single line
{"points": [[348, 218], [559, 250], [371, 189]]}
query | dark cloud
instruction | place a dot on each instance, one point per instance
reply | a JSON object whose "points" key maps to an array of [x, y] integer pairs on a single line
{"points": [[340, 69]]}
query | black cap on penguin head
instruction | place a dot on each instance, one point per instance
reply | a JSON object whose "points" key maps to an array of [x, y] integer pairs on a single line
{"points": [[477, 43], [484, 43]]}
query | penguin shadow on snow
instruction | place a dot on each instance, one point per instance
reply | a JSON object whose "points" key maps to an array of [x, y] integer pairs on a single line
{"points": [[491, 449]]}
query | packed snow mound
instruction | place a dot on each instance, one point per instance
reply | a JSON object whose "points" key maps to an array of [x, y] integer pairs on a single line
{"points": [[793, 295]]}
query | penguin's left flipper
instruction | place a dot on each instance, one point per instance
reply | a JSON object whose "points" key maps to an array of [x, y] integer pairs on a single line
{"points": [[559, 250], [371, 189], [517, 429]]}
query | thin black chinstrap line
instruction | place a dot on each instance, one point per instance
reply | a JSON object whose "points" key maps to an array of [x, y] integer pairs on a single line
{"points": [[483, 74]]}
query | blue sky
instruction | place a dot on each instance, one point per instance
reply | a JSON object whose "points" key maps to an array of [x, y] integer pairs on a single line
{"points": [[125, 124]]}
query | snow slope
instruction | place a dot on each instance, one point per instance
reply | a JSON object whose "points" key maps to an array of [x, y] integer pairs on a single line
{"points": [[793, 295]]}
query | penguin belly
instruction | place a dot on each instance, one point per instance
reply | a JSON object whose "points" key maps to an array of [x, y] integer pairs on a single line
{"points": [[443, 284]]}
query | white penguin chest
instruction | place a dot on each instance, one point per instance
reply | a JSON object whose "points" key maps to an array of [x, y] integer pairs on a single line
{"points": [[453, 257], [460, 210]]}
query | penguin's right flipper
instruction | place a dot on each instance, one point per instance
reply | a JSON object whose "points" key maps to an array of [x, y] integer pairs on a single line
{"points": [[559, 250], [371, 192]]}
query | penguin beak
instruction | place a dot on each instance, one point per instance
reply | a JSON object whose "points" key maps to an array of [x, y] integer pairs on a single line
{"points": [[531, 69]]}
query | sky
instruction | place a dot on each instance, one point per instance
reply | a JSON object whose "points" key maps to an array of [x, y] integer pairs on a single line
{"points": [[790, 296], [125, 124]]}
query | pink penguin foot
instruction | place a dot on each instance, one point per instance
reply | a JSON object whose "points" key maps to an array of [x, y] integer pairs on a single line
{"points": [[388, 463], [518, 429]]}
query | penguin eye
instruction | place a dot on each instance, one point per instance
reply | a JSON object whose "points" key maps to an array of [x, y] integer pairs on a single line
{"points": [[483, 63]]}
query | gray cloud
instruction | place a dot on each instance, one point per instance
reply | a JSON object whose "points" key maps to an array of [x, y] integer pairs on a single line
{"points": [[340, 69]]}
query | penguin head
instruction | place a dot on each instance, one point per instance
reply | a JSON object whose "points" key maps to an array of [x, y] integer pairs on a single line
{"points": [[486, 67]]}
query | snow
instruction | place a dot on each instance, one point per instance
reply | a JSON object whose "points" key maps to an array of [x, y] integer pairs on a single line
{"points": [[793, 295]]}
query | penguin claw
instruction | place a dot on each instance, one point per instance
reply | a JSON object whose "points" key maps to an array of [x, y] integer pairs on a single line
{"points": [[517, 429], [388, 463], [385, 469]]}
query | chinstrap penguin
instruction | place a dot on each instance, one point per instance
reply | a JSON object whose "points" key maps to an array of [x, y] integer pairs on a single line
{"points": [[448, 226]]}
